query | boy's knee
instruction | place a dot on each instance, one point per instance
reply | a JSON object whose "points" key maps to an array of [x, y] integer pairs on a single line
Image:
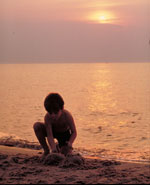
{"points": [[37, 126]]}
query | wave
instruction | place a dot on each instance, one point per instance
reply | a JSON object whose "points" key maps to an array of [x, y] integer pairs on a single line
{"points": [[114, 114], [14, 141], [124, 156]]}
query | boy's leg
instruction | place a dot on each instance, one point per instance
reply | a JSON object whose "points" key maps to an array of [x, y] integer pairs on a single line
{"points": [[40, 132], [62, 140]]}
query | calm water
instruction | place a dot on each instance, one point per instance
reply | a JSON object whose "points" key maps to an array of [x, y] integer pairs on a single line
{"points": [[110, 103]]}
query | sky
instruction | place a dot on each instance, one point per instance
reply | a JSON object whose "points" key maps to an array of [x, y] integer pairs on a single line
{"points": [[42, 31]]}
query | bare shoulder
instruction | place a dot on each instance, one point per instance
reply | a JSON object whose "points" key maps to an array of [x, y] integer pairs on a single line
{"points": [[68, 115]]}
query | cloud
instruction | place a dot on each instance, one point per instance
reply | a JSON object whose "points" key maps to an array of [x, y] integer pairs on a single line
{"points": [[71, 41]]}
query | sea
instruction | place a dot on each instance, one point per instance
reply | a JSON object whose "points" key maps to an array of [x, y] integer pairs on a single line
{"points": [[110, 104]]}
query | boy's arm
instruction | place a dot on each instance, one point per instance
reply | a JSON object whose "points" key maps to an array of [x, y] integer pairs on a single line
{"points": [[50, 137], [72, 128]]}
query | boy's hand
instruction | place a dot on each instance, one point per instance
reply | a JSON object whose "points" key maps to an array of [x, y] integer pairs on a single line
{"points": [[66, 149], [56, 149], [69, 144]]}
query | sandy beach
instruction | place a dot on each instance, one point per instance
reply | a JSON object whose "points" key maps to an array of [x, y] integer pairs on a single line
{"points": [[23, 166]]}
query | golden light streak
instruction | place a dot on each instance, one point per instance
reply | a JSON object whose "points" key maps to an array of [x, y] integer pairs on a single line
{"points": [[102, 17]]}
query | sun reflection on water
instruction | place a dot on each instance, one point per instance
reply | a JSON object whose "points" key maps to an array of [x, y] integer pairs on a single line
{"points": [[101, 97]]}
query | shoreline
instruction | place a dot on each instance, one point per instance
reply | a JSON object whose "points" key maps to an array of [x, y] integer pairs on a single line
{"points": [[32, 151], [21, 166]]}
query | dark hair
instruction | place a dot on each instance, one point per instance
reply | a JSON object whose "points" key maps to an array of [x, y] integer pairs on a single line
{"points": [[53, 103]]}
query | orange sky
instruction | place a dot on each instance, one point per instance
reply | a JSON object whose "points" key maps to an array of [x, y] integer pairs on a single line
{"points": [[74, 30]]}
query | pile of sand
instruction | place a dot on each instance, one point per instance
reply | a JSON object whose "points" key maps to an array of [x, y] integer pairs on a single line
{"points": [[70, 160]]}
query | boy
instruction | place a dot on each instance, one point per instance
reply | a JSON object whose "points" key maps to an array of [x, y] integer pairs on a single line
{"points": [[58, 123]]}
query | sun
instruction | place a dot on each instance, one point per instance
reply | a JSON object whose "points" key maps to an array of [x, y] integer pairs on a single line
{"points": [[103, 17]]}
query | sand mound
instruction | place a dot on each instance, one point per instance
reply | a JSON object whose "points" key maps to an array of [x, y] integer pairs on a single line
{"points": [[73, 160], [59, 159], [53, 159]]}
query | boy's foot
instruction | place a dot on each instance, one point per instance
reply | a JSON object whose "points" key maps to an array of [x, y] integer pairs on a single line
{"points": [[44, 155]]}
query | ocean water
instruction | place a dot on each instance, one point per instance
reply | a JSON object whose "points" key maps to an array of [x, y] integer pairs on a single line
{"points": [[110, 103]]}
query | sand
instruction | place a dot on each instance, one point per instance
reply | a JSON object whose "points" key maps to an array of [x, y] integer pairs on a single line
{"points": [[24, 166]]}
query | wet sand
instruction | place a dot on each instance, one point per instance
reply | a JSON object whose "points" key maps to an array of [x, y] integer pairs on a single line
{"points": [[24, 166]]}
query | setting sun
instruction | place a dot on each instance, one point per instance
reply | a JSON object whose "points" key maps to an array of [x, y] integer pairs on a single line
{"points": [[103, 17]]}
